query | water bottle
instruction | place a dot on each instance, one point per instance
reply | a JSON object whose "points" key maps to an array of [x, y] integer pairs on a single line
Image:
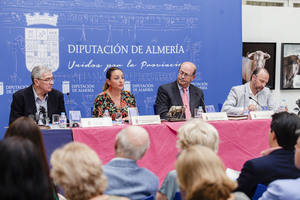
{"points": [[282, 106], [106, 113], [63, 120]]}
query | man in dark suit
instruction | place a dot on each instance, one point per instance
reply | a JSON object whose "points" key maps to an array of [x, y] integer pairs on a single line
{"points": [[172, 94], [39, 99], [278, 161]]}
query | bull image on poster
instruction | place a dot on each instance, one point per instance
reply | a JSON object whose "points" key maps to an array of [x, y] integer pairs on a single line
{"points": [[290, 64], [258, 55]]}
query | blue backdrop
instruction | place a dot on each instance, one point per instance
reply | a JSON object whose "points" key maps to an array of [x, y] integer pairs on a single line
{"points": [[148, 39]]}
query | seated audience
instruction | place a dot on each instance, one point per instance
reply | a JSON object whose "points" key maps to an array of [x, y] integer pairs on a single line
{"points": [[26, 128], [285, 188], [279, 163], [39, 99], [113, 98], [124, 176], [250, 96], [193, 132], [180, 93], [22, 174], [78, 170], [201, 175]]}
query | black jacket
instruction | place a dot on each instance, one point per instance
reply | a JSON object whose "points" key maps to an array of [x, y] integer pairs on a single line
{"points": [[23, 103]]}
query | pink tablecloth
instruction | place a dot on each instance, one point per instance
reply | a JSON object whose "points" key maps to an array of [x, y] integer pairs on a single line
{"points": [[239, 141]]}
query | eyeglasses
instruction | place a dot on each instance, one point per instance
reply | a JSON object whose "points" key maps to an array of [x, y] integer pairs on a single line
{"points": [[48, 80], [182, 73]]}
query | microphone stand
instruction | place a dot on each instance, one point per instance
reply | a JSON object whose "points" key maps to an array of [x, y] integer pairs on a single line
{"points": [[256, 102]]}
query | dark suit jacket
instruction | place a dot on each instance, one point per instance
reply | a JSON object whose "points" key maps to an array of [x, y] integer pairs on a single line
{"points": [[23, 103], [279, 164], [169, 95]]}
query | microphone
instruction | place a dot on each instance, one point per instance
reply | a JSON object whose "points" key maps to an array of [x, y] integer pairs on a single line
{"points": [[255, 101], [68, 95], [43, 111], [36, 117], [203, 104]]}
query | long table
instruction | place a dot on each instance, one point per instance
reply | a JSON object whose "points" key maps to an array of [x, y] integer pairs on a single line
{"points": [[239, 141]]}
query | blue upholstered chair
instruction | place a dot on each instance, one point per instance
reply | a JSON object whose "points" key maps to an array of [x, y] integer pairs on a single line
{"points": [[151, 197], [177, 196], [220, 105], [260, 189]]}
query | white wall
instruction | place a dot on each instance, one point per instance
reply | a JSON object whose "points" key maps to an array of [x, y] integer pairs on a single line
{"points": [[273, 24]]}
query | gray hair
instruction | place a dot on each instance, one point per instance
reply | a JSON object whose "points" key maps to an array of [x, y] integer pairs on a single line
{"points": [[197, 132], [38, 71], [132, 142]]}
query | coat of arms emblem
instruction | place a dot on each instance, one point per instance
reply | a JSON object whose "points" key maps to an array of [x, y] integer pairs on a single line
{"points": [[41, 44]]}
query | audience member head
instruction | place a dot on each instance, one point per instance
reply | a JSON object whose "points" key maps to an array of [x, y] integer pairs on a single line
{"points": [[78, 170], [42, 79], [283, 128], [197, 131], [114, 79], [186, 74], [201, 174], [25, 127], [259, 79], [132, 142], [22, 175], [297, 148]]}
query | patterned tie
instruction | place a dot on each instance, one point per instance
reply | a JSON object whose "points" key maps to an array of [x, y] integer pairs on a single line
{"points": [[186, 104]]}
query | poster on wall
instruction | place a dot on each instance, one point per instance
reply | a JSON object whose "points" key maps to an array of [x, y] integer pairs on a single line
{"points": [[259, 55], [80, 40], [290, 61]]}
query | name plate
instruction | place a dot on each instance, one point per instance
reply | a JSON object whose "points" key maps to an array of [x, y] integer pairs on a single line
{"points": [[146, 119], [214, 116], [261, 114], [95, 122]]}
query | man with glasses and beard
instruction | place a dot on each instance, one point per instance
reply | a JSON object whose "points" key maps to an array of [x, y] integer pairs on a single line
{"points": [[253, 95], [39, 99], [180, 93]]}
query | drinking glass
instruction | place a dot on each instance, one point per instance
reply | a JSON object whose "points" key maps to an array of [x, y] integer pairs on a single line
{"points": [[118, 118], [198, 112], [132, 112], [55, 121]]}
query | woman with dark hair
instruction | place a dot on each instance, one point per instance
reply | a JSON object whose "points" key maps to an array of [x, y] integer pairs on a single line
{"points": [[22, 173], [113, 98], [25, 127]]}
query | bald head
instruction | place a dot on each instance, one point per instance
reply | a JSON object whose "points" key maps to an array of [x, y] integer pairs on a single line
{"points": [[189, 66], [132, 142], [259, 80], [186, 74]]}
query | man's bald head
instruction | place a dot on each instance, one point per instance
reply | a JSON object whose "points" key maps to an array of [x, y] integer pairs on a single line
{"points": [[132, 142], [186, 74]]}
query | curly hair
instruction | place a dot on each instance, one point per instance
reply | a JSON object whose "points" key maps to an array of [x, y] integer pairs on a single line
{"points": [[78, 170], [201, 175]]}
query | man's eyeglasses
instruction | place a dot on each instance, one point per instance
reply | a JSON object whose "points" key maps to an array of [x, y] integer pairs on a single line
{"points": [[48, 80], [182, 73]]}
